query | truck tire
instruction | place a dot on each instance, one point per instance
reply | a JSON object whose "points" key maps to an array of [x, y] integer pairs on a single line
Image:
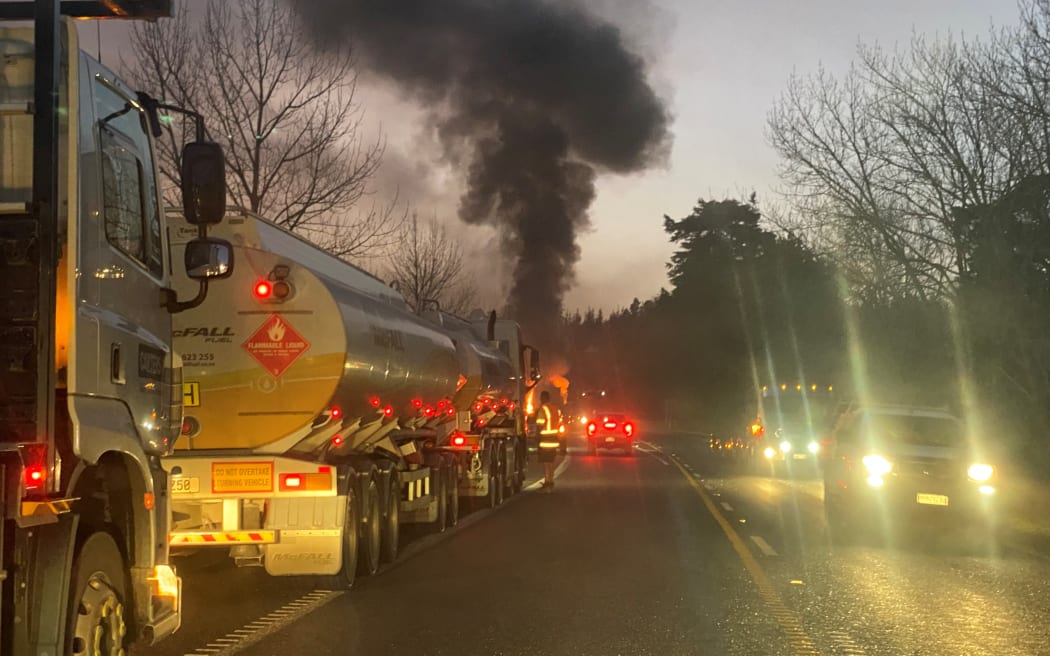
{"points": [[371, 532], [347, 575], [97, 604], [452, 511], [440, 498], [391, 536], [498, 475]]}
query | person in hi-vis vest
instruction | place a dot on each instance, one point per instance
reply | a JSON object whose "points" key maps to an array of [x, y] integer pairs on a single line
{"points": [[548, 419]]}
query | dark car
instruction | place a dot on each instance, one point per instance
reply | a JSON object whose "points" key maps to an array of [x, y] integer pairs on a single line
{"points": [[898, 463], [610, 431]]}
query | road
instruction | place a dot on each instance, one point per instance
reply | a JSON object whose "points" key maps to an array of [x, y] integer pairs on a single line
{"points": [[669, 552]]}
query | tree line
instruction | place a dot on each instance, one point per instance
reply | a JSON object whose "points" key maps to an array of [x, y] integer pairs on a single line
{"points": [[908, 257]]}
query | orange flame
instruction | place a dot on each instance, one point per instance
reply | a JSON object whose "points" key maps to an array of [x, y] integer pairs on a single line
{"points": [[562, 383], [529, 408]]}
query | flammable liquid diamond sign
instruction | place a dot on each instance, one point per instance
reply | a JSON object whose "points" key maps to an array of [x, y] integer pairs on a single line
{"points": [[276, 345]]}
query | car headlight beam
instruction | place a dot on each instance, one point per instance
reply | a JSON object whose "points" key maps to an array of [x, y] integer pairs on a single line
{"points": [[813, 447], [769, 452], [877, 465], [981, 472], [785, 446]]}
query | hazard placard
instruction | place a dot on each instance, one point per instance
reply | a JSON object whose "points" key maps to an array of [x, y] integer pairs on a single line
{"points": [[191, 394], [276, 345]]}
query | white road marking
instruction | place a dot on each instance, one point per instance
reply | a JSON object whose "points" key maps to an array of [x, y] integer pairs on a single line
{"points": [[728, 507], [763, 546], [256, 630], [558, 471]]}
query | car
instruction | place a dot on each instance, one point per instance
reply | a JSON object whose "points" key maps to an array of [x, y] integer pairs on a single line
{"points": [[611, 430], [901, 463]]}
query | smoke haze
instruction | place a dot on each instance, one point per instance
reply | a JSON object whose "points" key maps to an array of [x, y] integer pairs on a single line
{"points": [[530, 99]]}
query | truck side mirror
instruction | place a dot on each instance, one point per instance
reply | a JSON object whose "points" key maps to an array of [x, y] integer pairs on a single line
{"points": [[534, 364], [208, 258], [203, 183]]}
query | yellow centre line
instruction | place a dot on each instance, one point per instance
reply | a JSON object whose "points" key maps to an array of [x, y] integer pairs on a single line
{"points": [[788, 620]]}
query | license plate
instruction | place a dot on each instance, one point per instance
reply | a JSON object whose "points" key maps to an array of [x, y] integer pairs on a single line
{"points": [[242, 477], [185, 485], [800, 456], [932, 499], [610, 439]]}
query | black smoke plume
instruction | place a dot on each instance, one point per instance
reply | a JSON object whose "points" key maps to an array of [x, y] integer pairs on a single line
{"points": [[534, 97]]}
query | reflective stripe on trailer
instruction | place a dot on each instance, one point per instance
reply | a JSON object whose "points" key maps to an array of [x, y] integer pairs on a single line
{"points": [[549, 445], [223, 537]]}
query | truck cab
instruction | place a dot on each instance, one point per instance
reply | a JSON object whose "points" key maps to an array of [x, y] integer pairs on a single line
{"points": [[92, 390]]}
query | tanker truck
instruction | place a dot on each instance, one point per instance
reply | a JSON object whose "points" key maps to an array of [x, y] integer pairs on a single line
{"points": [[321, 412], [489, 438], [91, 390]]}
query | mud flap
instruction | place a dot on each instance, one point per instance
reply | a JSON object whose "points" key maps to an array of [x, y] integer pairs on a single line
{"points": [[311, 536], [41, 598]]}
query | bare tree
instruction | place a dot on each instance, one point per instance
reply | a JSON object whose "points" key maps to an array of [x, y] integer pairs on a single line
{"points": [[428, 267], [285, 115], [889, 155]]}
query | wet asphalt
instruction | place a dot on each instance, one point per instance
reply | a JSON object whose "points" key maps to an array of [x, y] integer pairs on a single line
{"points": [[676, 550]]}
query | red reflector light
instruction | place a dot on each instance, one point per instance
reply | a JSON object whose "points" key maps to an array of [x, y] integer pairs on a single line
{"points": [[451, 411], [35, 475], [459, 440], [442, 403], [374, 401], [417, 403], [388, 411], [337, 440], [503, 401], [263, 289], [487, 402], [292, 480], [478, 407], [481, 422], [34, 469], [429, 411], [511, 405], [335, 412], [324, 469]]}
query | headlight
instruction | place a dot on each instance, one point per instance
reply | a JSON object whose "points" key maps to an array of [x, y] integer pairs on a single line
{"points": [[769, 452], [981, 472], [877, 465], [813, 447], [785, 446]]}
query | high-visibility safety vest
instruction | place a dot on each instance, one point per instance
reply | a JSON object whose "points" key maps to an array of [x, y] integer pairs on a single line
{"points": [[548, 427]]}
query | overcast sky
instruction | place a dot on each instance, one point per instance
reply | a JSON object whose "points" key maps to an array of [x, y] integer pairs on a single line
{"points": [[720, 65]]}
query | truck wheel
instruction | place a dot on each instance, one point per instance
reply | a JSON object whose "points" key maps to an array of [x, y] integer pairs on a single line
{"points": [[97, 624], [370, 532], [440, 498], [452, 511], [344, 579], [498, 475], [392, 522]]}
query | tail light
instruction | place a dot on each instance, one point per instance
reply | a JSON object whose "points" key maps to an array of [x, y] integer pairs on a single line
{"points": [[263, 290], [561, 429], [335, 412], [308, 482], [34, 468], [592, 428], [458, 440], [628, 429]]}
